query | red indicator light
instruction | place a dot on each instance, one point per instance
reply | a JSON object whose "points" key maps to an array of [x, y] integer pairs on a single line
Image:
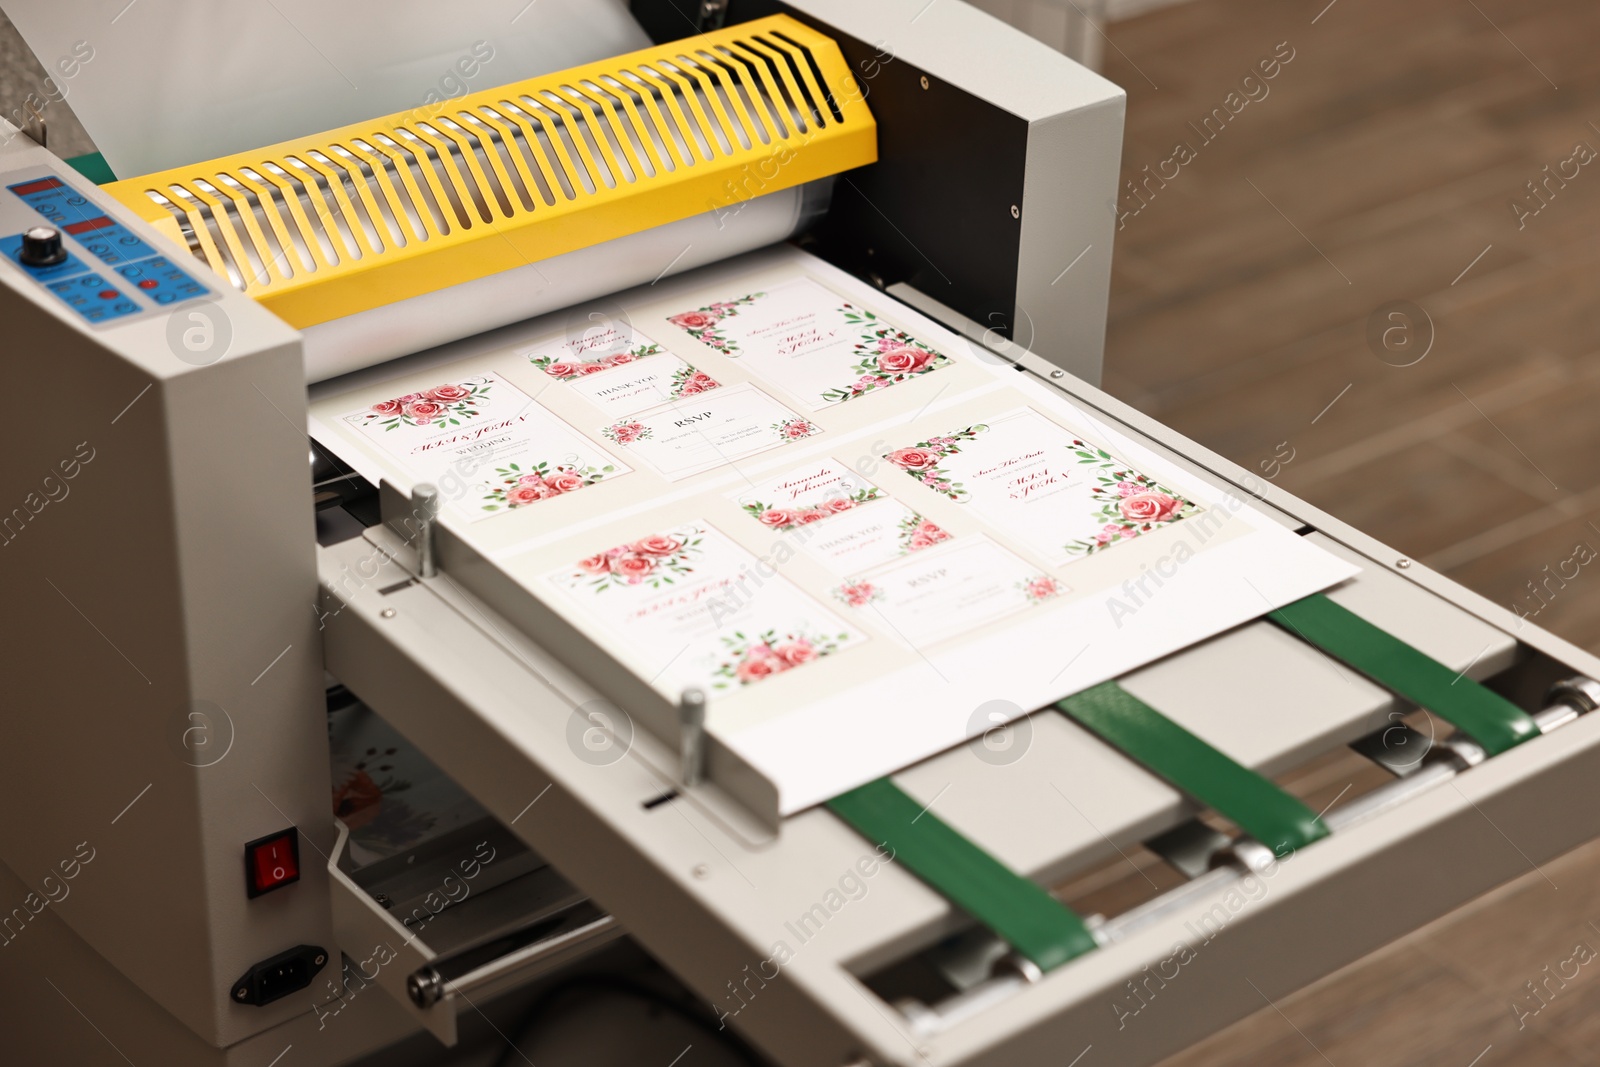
{"points": [[109, 294], [42, 185], [272, 862], [88, 225], [149, 283]]}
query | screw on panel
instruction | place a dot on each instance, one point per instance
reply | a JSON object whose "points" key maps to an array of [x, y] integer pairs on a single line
{"points": [[1058, 374], [1016, 212], [387, 613], [924, 81], [701, 871], [1402, 563]]}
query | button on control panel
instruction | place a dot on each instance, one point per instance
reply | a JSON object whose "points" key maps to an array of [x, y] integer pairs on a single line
{"points": [[158, 279], [94, 298], [73, 232]]}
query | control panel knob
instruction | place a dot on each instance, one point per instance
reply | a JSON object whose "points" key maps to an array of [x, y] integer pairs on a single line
{"points": [[41, 247]]}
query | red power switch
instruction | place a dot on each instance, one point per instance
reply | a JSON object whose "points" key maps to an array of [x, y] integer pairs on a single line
{"points": [[272, 862]]}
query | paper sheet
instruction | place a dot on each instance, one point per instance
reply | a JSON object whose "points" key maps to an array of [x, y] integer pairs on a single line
{"points": [[170, 82], [850, 598]]}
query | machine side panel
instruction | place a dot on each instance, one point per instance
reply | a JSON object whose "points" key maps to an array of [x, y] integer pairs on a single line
{"points": [[162, 664]]}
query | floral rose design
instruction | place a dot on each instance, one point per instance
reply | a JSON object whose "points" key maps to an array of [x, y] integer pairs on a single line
{"points": [[795, 653], [748, 660], [567, 369], [658, 545], [921, 460], [1040, 588], [914, 459], [702, 323], [626, 432], [903, 359], [423, 412], [656, 560], [524, 494], [448, 394], [1149, 507], [884, 356], [633, 569], [918, 533], [795, 429], [838, 504], [693, 320], [858, 594], [565, 482], [777, 517], [1131, 504], [520, 487], [449, 404]]}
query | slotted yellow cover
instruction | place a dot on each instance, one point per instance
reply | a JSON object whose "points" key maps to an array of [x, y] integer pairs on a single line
{"points": [[325, 226]]}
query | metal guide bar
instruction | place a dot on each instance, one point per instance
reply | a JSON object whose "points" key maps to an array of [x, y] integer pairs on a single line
{"points": [[350, 219]]}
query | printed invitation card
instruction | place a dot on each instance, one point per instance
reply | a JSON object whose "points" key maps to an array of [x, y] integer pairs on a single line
{"points": [[487, 445], [843, 521], [1059, 494], [620, 373], [708, 430], [696, 609], [816, 345], [937, 595]]}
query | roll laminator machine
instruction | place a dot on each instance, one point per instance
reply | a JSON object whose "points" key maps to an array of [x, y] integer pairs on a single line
{"points": [[169, 326]]}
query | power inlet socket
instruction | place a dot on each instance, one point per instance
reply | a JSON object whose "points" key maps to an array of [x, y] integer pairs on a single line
{"points": [[280, 975]]}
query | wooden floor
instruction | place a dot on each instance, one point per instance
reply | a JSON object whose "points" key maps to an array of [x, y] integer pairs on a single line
{"points": [[1379, 167]]}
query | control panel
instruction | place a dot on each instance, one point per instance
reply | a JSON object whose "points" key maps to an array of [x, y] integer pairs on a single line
{"points": [[69, 235]]}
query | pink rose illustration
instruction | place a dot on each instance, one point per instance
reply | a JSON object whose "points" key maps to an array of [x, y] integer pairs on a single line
{"points": [[913, 459], [776, 517], [524, 494], [705, 380], [591, 368], [1149, 507], [693, 320], [561, 370], [530, 479], [920, 541], [409, 397], [658, 545], [626, 432], [797, 428], [386, 407], [598, 563], [448, 394], [424, 410], [795, 653], [690, 388], [811, 515], [634, 568], [838, 504], [563, 482], [933, 533], [857, 593], [619, 359], [754, 668], [1129, 488], [1043, 588]]}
